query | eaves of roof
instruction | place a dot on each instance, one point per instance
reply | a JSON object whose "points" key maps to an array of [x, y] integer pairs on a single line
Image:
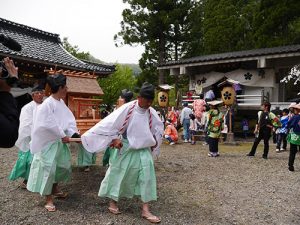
{"points": [[238, 55], [46, 48]]}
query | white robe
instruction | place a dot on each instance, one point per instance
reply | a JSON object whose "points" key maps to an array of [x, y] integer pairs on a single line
{"points": [[53, 120], [139, 134], [25, 128]]}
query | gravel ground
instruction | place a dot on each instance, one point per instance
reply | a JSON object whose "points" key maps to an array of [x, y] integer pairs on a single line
{"points": [[192, 189]]}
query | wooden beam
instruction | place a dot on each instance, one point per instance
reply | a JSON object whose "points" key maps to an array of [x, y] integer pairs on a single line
{"points": [[87, 99]]}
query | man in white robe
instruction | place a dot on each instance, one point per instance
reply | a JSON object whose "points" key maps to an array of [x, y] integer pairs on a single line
{"points": [[53, 125], [22, 166], [131, 168], [125, 97]]}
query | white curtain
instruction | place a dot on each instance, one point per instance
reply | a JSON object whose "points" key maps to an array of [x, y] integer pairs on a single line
{"points": [[245, 77]]}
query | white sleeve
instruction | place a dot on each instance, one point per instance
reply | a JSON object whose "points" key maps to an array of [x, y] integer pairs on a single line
{"points": [[45, 128], [25, 127], [72, 126], [157, 131], [99, 137]]}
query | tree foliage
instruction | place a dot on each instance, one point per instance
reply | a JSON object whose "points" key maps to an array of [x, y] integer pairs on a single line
{"points": [[277, 23], [122, 78], [74, 50], [174, 29], [159, 25]]}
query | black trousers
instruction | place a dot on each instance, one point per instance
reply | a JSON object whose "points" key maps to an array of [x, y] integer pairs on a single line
{"points": [[293, 151], [213, 144], [264, 134]]}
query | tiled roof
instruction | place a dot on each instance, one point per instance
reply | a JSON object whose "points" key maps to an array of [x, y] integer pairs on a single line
{"points": [[44, 47], [101, 67], [83, 86], [238, 54]]}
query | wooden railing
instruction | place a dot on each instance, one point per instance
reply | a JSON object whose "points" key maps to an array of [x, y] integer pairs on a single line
{"points": [[189, 101], [85, 124], [251, 100], [242, 100]]}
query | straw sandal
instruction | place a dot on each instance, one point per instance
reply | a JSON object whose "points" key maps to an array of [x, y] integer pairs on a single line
{"points": [[50, 207], [60, 194], [114, 211], [151, 218]]}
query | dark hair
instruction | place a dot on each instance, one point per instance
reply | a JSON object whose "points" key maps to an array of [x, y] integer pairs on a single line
{"points": [[185, 104], [285, 111], [192, 116], [126, 95], [56, 81], [201, 96], [267, 104]]}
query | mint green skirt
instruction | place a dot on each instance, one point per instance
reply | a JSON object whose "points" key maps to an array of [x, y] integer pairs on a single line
{"points": [[22, 166], [51, 165], [130, 174], [85, 158]]}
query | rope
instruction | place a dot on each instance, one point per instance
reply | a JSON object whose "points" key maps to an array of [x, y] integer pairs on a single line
{"points": [[127, 118]]}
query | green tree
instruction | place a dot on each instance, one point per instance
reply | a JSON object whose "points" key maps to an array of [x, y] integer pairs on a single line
{"points": [[158, 25], [194, 45], [224, 25], [112, 85], [74, 50], [277, 23]]}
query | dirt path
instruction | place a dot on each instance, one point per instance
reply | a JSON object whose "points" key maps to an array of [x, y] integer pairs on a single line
{"points": [[192, 188]]}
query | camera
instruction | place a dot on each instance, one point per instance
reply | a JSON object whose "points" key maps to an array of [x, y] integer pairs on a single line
{"points": [[3, 70], [4, 75]]}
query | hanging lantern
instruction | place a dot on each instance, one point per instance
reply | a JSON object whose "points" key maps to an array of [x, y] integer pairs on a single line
{"points": [[228, 95], [163, 98]]}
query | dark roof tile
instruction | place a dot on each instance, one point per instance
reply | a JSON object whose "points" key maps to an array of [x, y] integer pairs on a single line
{"points": [[45, 47], [238, 54]]}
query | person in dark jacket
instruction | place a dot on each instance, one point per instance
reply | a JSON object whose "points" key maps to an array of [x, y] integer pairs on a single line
{"points": [[294, 135], [9, 115], [265, 123]]}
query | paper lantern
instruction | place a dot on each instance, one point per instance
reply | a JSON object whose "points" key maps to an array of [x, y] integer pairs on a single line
{"points": [[228, 95], [163, 98]]}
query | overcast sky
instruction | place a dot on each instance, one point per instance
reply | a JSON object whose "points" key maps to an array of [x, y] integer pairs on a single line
{"points": [[90, 24]]}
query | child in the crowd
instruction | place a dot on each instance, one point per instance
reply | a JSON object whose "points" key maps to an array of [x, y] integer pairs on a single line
{"points": [[193, 128], [215, 125], [282, 132], [170, 133], [172, 116], [245, 127]]}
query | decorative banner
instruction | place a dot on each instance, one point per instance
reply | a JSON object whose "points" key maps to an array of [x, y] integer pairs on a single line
{"points": [[254, 78]]}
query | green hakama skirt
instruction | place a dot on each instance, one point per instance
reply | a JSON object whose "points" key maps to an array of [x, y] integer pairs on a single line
{"points": [[84, 157], [51, 165], [130, 174], [22, 166]]}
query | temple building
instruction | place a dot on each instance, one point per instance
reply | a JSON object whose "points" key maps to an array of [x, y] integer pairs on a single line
{"points": [[42, 54], [258, 71]]}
